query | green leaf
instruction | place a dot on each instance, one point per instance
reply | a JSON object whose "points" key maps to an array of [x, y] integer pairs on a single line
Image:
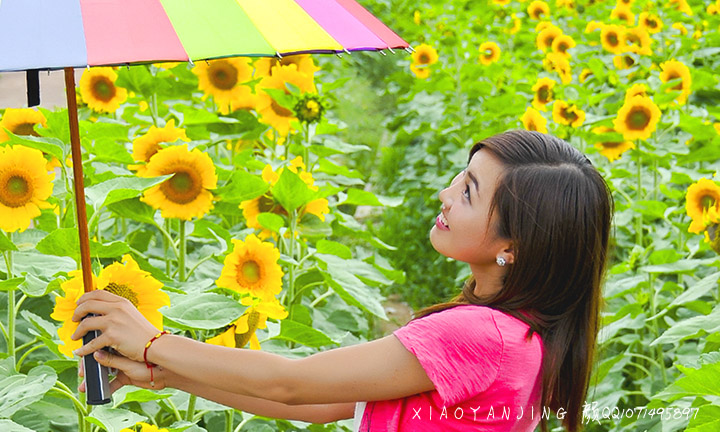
{"points": [[7, 425], [206, 311], [113, 419], [6, 244], [49, 145], [696, 382], [697, 290], [119, 188], [243, 186], [271, 221], [679, 266], [334, 248], [11, 284], [691, 327], [352, 290], [19, 391], [291, 192], [133, 209], [35, 286], [302, 334], [61, 242], [130, 394], [362, 197]]}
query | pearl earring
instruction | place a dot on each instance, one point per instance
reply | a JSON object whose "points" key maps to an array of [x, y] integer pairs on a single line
{"points": [[501, 261]]}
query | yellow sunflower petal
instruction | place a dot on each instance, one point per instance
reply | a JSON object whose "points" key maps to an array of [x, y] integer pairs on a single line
{"points": [[98, 90]]}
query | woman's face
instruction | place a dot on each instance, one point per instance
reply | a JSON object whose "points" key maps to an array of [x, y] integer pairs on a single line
{"points": [[463, 230]]}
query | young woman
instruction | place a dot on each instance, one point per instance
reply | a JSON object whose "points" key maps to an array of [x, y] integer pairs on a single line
{"points": [[531, 217]]}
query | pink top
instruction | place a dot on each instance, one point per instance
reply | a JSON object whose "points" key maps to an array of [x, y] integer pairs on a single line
{"points": [[485, 371]]}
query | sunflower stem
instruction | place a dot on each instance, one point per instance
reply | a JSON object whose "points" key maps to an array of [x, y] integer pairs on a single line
{"points": [[183, 251], [229, 414], [191, 408], [291, 266], [638, 197], [11, 310]]}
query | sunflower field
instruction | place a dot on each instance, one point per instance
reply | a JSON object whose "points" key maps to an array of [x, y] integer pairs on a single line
{"points": [[279, 204]]}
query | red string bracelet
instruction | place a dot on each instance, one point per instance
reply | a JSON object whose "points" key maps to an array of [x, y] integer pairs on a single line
{"points": [[147, 363]]}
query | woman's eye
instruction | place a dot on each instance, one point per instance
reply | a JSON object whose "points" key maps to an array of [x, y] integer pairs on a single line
{"points": [[466, 192]]}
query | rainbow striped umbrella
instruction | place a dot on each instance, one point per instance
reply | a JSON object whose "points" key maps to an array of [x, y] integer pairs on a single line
{"points": [[54, 34]]}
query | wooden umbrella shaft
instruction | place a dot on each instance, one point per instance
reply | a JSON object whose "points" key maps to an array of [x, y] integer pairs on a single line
{"points": [[78, 182]]}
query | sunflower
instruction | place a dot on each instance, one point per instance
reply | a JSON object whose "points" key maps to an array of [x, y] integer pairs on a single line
{"points": [[650, 22], [184, 195], [623, 13], [682, 6], [636, 90], [516, 25], [593, 26], [144, 427], [534, 121], [420, 72], [309, 108], [125, 279], [624, 61], [560, 64], [417, 17], [637, 118], [611, 149], [489, 53], [98, 90], [712, 9], [145, 146], [543, 89], [304, 62], [674, 69], [716, 126], [267, 204], [562, 44], [20, 121], [639, 41], [612, 38], [681, 28], [252, 267], [255, 317], [25, 186], [566, 114], [538, 8], [546, 37], [501, 2], [224, 80], [701, 199], [271, 112], [424, 55], [584, 75]]}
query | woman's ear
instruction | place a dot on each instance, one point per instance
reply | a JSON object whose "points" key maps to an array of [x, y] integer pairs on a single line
{"points": [[508, 253]]}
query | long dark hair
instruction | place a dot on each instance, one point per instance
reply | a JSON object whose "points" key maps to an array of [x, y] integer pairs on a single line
{"points": [[556, 209]]}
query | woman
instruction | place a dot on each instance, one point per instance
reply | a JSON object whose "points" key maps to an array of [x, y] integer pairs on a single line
{"points": [[531, 217]]}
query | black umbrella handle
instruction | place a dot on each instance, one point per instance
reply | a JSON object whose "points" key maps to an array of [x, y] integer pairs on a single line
{"points": [[97, 384]]}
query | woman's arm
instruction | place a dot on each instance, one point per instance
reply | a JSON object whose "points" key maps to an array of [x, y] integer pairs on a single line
{"points": [[378, 370], [137, 374]]}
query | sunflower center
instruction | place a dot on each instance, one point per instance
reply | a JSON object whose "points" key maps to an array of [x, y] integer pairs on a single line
{"points": [[569, 114], [103, 89], [612, 39], [549, 40], [150, 151], [638, 118], [267, 205], [25, 129], [651, 23], [610, 145], [673, 76], [629, 61], [123, 291], [544, 94], [707, 201], [183, 187], [424, 58], [280, 110], [563, 47], [16, 192], [250, 271], [223, 75]]}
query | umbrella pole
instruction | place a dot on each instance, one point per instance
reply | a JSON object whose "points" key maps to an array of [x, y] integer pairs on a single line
{"points": [[96, 375]]}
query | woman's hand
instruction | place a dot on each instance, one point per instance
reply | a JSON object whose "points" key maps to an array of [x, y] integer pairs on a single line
{"points": [[121, 324], [129, 372]]}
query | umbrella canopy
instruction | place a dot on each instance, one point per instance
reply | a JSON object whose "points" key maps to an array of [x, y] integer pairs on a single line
{"points": [[80, 33]]}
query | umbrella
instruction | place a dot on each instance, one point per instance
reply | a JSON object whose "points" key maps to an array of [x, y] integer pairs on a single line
{"points": [[79, 33]]}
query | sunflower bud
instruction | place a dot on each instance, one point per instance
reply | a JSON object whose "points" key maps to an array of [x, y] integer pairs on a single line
{"points": [[712, 236], [309, 109]]}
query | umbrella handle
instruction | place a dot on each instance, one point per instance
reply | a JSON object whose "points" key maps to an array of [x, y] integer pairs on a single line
{"points": [[96, 375]]}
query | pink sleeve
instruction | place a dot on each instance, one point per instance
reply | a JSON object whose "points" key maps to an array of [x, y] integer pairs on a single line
{"points": [[460, 349]]}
